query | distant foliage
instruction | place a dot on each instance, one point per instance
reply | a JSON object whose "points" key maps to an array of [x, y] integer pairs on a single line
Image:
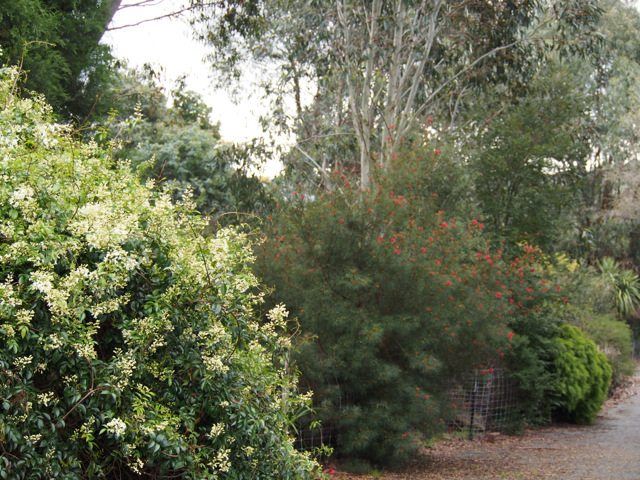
{"points": [[582, 375], [394, 296], [177, 146], [129, 342], [625, 283]]}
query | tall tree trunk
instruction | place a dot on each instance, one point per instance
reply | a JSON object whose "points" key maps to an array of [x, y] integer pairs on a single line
{"points": [[111, 10]]}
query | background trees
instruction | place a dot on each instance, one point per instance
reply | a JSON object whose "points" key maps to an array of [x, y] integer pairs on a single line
{"points": [[387, 66], [174, 143], [57, 44]]}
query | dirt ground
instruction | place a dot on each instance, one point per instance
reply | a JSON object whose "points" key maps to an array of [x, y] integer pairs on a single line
{"points": [[609, 449]]}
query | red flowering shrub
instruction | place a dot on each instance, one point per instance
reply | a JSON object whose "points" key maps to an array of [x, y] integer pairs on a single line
{"points": [[393, 295]]}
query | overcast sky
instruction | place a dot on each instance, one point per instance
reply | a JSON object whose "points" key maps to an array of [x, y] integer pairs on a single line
{"points": [[167, 43]]}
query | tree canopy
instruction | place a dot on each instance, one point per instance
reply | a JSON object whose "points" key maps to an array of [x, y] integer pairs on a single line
{"points": [[57, 44]]}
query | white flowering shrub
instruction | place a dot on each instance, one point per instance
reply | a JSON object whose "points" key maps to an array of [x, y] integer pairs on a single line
{"points": [[129, 345]]}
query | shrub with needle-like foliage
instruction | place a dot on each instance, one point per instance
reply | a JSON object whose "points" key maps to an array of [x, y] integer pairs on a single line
{"points": [[395, 297]]}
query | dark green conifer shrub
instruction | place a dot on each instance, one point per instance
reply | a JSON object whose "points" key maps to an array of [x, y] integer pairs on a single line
{"points": [[394, 298]]}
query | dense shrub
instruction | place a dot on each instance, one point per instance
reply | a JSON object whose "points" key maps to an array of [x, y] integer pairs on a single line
{"points": [[394, 297], [592, 308], [129, 344], [612, 337], [582, 375]]}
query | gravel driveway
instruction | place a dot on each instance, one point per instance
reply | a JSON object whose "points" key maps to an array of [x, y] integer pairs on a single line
{"points": [[607, 450]]}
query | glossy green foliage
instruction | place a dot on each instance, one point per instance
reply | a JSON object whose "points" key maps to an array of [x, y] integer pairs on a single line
{"points": [[130, 344], [582, 375]]}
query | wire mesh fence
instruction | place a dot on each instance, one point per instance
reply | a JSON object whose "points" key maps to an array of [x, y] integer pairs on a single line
{"points": [[312, 436], [483, 401]]}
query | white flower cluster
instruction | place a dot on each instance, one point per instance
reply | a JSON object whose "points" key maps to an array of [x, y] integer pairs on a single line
{"points": [[45, 398], [278, 314], [124, 365], [221, 463], [21, 362], [53, 341], [24, 316], [33, 438], [214, 364], [84, 350], [217, 430], [248, 450], [116, 427], [23, 200]]}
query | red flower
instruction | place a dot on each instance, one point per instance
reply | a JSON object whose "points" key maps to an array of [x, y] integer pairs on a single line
{"points": [[558, 288], [369, 211], [479, 254], [510, 335], [429, 119], [437, 152], [481, 225], [498, 294], [423, 249], [475, 222], [393, 240], [444, 224], [420, 228], [295, 193], [435, 195], [341, 220], [397, 251]]}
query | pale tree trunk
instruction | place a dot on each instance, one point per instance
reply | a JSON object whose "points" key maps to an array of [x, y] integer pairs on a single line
{"points": [[362, 111]]}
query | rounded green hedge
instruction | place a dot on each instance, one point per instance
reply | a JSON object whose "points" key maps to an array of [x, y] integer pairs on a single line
{"points": [[582, 375], [129, 343]]}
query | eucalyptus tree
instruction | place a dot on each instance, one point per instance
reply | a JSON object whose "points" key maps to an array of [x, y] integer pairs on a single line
{"points": [[388, 65]]}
